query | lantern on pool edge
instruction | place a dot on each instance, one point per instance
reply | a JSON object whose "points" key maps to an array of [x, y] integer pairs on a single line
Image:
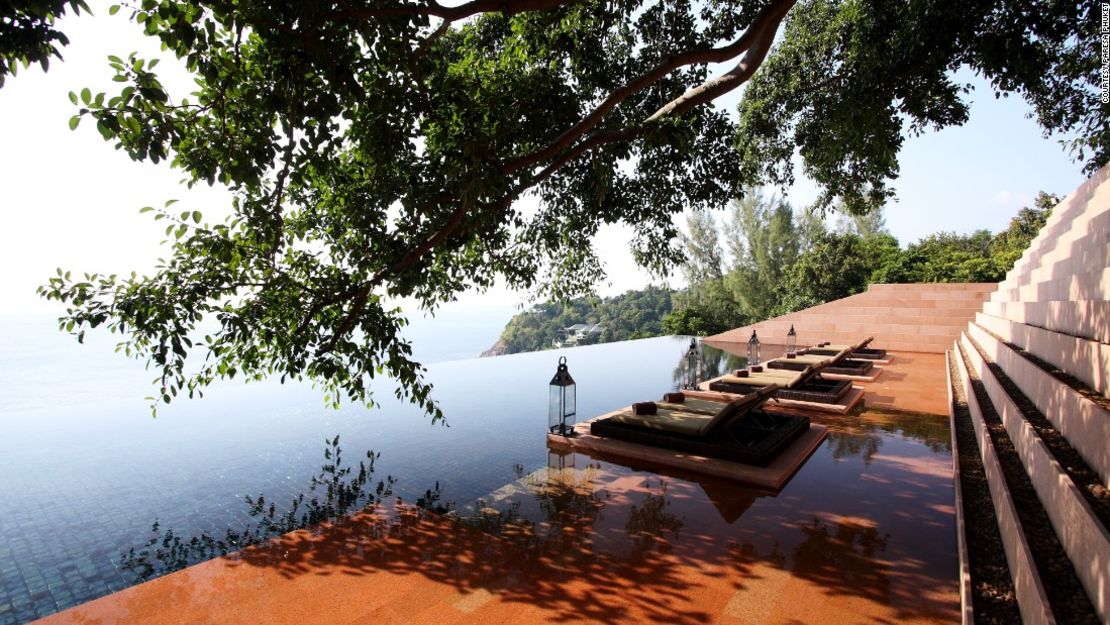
{"points": [[561, 404], [691, 366], [791, 341], [753, 350]]}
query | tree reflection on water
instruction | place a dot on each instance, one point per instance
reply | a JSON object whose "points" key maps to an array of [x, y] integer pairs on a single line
{"points": [[862, 433], [337, 490]]}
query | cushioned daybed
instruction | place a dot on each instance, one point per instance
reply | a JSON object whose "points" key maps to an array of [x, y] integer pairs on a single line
{"points": [[807, 385], [739, 431], [859, 353]]}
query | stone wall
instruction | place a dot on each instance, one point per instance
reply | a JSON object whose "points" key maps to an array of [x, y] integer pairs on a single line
{"points": [[901, 317]]}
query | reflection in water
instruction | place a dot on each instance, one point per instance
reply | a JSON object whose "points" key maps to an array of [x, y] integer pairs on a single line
{"points": [[650, 525], [862, 435], [617, 544], [715, 362], [335, 491], [719, 362], [859, 443], [844, 557]]}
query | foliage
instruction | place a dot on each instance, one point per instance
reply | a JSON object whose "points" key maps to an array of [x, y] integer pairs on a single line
{"points": [[765, 246], [1007, 246], [377, 150], [945, 257], [28, 34], [837, 266], [833, 265], [632, 315], [852, 78]]}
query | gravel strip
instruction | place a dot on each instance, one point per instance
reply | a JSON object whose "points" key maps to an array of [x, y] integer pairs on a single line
{"points": [[1066, 596], [1075, 383], [1088, 481], [992, 588]]}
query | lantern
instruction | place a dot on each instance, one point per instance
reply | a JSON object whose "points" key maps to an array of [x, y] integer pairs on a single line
{"points": [[791, 341], [560, 460], [561, 405], [692, 366], [753, 350]]}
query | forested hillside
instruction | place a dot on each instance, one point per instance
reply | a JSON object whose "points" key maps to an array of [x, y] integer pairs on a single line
{"points": [[633, 315]]}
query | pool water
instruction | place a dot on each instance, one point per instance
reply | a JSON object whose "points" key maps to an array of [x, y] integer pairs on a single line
{"points": [[85, 476]]}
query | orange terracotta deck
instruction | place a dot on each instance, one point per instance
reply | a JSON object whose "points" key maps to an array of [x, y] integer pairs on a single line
{"points": [[913, 382], [864, 533]]}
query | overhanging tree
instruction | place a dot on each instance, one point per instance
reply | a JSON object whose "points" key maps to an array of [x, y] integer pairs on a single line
{"points": [[379, 149]]}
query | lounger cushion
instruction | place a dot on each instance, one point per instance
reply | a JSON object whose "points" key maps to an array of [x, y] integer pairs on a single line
{"points": [[759, 379], [689, 423], [666, 420]]}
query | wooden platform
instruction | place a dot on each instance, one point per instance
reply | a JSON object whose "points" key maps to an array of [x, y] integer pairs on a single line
{"points": [[773, 476], [850, 400]]}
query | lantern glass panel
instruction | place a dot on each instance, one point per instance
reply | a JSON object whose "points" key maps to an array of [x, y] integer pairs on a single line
{"points": [[791, 341], [753, 350], [555, 408]]}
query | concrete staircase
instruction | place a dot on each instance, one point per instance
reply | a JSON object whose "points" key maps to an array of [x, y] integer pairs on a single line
{"points": [[1034, 368]]}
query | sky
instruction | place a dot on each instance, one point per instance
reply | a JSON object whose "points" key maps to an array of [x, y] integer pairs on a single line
{"points": [[70, 200]]}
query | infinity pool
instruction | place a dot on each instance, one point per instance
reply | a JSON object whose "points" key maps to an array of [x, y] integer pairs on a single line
{"points": [[84, 482]]}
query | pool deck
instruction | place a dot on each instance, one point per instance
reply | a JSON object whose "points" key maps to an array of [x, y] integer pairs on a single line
{"points": [[828, 549]]}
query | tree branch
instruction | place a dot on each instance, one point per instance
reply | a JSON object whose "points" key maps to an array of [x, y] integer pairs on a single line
{"points": [[768, 18], [713, 88]]}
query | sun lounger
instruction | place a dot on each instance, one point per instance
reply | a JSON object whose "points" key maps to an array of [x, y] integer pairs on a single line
{"points": [[861, 352], [808, 385], [739, 430]]}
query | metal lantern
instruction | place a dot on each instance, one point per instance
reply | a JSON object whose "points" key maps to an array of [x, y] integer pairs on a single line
{"points": [[753, 350], [561, 405], [791, 341], [692, 366]]}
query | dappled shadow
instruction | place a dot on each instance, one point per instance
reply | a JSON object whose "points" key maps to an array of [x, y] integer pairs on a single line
{"points": [[600, 539]]}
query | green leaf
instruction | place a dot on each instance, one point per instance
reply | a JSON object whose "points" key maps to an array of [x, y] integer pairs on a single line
{"points": [[73, 97], [73, 121], [86, 96], [112, 10]]}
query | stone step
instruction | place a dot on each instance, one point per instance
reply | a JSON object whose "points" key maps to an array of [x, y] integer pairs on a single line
{"points": [[1088, 319], [1086, 256], [1090, 286], [1083, 423], [1082, 535], [1031, 597], [1093, 235], [1073, 214], [1086, 360]]}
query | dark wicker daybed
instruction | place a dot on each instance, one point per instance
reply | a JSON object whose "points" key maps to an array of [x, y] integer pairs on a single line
{"points": [[845, 366], [860, 353], [808, 387], [740, 431]]}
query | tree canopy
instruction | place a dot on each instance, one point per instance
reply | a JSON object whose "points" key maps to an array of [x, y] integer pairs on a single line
{"points": [[379, 149], [817, 265]]}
